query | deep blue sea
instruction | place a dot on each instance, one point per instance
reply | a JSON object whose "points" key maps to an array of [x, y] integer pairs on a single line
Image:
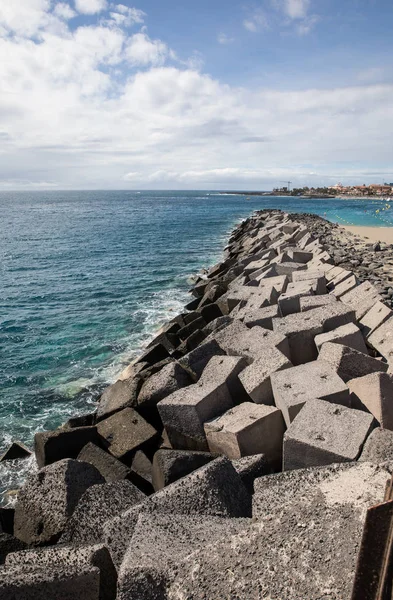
{"points": [[87, 277]]}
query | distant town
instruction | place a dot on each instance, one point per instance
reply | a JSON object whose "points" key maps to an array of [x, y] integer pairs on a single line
{"points": [[338, 190]]}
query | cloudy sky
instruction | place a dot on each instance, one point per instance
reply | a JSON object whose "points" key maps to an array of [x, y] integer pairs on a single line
{"points": [[214, 94]]}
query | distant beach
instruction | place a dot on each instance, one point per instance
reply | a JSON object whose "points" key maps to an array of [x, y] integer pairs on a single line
{"points": [[375, 234]]}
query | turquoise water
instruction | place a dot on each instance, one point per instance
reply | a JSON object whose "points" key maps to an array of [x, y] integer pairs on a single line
{"points": [[87, 277]]}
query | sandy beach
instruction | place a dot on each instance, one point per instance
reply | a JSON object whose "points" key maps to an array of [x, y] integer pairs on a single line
{"points": [[375, 234]]}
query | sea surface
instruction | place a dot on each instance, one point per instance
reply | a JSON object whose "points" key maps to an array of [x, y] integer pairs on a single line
{"points": [[86, 278]]}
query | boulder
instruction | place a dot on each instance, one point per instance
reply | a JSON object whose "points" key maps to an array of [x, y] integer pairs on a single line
{"points": [[324, 433], [171, 465], [49, 498], [126, 432], [293, 387], [99, 504], [374, 392], [247, 429], [109, 467], [51, 446]]}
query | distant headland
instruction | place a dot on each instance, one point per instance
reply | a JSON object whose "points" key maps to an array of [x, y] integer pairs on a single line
{"points": [[335, 191]]}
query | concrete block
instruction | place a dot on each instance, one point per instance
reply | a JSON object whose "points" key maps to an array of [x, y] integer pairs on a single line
{"points": [[298, 255], [121, 394], [256, 377], [324, 433], [345, 286], [375, 393], [294, 387], [247, 429], [316, 275], [195, 361], [347, 335], [311, 302], [171, 465], [251, 467], [261, 317], [109, 467], [126, 432], [374, 318], [51, 446], [77, 558], [289, 302], [171, 378], [56, 583], [381, 339], [99, 504], [210, 312], [243, 294], [349, 363], [339, 278], [362, 298], [49, 498], [378, 448], [279, 283], [287, 268], [15, 451], [300, 331], [141, 471], [9, 544]]}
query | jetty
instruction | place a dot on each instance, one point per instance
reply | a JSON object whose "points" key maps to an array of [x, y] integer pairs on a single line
{"points": [[247, 453]]}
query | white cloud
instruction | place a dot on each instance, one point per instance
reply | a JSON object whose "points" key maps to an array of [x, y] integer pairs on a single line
{"points": [[124, 16], [296, 9], [90, 7], [256, 21], [94, 107], [224, 39], [143, 51], [296, 13], [64, 11]]}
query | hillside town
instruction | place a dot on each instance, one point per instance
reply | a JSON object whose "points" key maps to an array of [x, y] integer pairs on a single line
{"points": [[339, 190]]}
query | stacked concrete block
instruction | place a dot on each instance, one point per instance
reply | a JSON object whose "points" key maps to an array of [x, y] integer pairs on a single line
{"points": [[316, 275], [375, 393], [345, 286], [311, 302], [171, 465], [300, 331], [381, 339], [374, 318], [349, 363], [109, 466], [256, 377], [378, 448], [362, 298], [347, 335], [51, 446], [289, 302], [324, 433], [295, 386], [261, 317]]}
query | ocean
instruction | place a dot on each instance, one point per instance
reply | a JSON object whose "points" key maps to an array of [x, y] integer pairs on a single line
{"points": [[88, 277]]}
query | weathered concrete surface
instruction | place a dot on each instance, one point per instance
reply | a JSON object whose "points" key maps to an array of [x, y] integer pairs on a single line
{"points": [[109, 466], [311, 302], [256, 377], [121, 394], [304, 544], [376, 316], [171, 465], [293, 387], [362, 298], [375, 393], [247, 429], [349, 363], [251, 467], [195, 361], [8, 544], [171, 378], [378, 448], [381, 339], [347, 335], [324, 433], [16, 450], [51, 446], [289, 302], [261, 317], [49, 498], [99, 504]]}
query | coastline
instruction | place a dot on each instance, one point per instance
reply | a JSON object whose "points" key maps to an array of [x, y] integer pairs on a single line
{"points": [[375, 234]]}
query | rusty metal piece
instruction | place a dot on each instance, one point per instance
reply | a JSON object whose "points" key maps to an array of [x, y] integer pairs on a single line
{"points": [[374, 570]]}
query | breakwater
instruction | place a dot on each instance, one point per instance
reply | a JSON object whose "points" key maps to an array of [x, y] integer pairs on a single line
{"points": [[237, 455]]}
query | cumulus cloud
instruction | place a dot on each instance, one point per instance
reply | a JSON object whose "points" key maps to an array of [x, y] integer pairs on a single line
{"points": [[64, 11], [90, 7], [224, 39], [256, 21], [98, 107]]}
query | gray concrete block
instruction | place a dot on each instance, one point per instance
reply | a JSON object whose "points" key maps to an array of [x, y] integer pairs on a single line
{"points": [[347, 335], [195, 361], [171, 465], [261, 317], [126, 432], [316, 275], [301, 521], [109, 467], [289, 302], [298, 255], [49, 498], [73, 557], [251, 467], [374, 318], [294, 387], [362, 298], [324, 433], [184, 412], [256, 377], [381, 339], [311, 302], [345, 286], [16, 450], [247, 429], [56, 583], [279, 283], [349, 363], [378, 448], [121, 394], [172, 377], [375, 393], [9, 544], [51, 446], [99, 504]]}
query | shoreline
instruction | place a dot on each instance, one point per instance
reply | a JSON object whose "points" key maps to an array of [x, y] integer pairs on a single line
{"points": [[375, 234]]}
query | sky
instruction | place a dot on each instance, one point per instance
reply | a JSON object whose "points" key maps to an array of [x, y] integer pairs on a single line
{"points": [[176, 94]]}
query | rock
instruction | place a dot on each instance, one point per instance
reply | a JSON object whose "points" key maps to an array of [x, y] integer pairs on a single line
{"points": [[51, 446], [99, 504], [16, 450], [250, 468], [247, 429], [349, 363], [109, 467], [195, 361], [374, 392], [71, 557], [48, 499], [126, 432], [377, 247], [324, 433], [293, 387], [56, 583], [347, 335], [171, 465], [256, 377]]}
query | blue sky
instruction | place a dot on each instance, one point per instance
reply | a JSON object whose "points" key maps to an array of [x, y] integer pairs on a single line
{"points": [[209, 95]]}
